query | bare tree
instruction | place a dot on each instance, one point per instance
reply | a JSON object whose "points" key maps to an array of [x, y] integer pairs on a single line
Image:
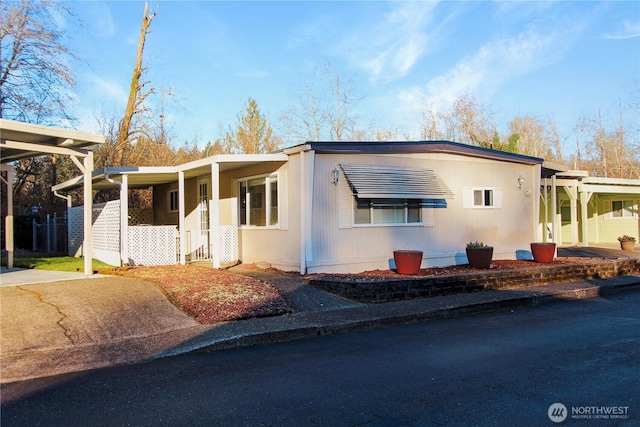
{"points": [[429, 128], [137, 95], [606, 151], [35, 86], [471, 122], [322, 112], [556, 143], [534, 137], [35, 77]]}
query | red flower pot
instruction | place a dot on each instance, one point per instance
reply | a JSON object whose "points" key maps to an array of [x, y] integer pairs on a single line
{"points": [[407, 261], [543, 252]]}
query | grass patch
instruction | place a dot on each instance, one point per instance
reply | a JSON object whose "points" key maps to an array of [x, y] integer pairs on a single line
{"points": [[47, 262]]}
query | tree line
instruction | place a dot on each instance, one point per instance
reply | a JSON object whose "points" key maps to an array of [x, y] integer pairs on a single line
{"points": [[35, 82]]}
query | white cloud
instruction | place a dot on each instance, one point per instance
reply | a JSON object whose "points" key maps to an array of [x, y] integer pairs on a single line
{"points": [[628, 30], [107, 89], [482, 73], [389, 50], [100, 20]]}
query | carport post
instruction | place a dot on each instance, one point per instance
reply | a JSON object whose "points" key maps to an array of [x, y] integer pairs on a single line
{"points": [[8, 221], [88, 213]]}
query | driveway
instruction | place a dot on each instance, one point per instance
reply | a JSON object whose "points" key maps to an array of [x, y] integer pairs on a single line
{"points": [[74, 323]]}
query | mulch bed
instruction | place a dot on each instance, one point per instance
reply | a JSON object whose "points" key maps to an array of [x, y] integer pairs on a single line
{"points": [[210, 295], [496, 265]]}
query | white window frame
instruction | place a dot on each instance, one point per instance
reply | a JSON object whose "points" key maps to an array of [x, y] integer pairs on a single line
{"points": [[174, 198], [373, 208], [268, 201], [469, 197], [634, 208]]}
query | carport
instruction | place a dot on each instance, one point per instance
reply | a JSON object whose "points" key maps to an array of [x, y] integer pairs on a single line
{"points": [[19, 140]]}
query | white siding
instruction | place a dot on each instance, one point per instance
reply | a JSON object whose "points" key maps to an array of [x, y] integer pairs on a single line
{"points": [[277, 246], [338, 246]]}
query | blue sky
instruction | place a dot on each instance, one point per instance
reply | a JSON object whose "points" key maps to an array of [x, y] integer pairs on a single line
{"points": [[553, 60]]}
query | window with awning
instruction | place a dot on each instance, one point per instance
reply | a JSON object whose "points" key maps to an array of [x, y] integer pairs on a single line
{"points": [[393, 195], [390, 182]]}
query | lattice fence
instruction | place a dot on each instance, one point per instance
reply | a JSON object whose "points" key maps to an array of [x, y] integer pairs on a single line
{"points": [[155, 245], [75, 231], [105, 231], [228, 243], [106, 226], [138, 216]]}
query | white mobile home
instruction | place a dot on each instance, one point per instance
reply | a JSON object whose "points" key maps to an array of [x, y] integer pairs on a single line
{"points": [[326, 206]]}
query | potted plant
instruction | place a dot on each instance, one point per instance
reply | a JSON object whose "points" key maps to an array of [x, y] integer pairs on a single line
{"points": [[543, 252], [479, 254], [627, 242], [407, 261]]}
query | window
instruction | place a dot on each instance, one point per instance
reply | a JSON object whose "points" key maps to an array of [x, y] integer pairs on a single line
{"points": [[258, 199], [173, 201], [482, 198], [623, 209], [387, 211]]}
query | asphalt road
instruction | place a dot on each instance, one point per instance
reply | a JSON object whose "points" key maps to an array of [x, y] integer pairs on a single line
{"points": [[503, 368]]}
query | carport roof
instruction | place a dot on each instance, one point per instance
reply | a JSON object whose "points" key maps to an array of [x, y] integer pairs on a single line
{"points": [[146, 176], [20, 140]]}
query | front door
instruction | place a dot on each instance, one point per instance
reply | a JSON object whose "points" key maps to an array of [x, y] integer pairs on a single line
{"points": [[204, 245]]}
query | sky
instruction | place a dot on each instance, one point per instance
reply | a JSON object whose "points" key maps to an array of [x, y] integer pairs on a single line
{"points": [[554, 60]]}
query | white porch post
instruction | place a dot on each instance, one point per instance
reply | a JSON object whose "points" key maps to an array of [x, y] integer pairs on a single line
{"points": [[537, 181], [584, 199], [554, 209], [303, 215], [545, 200], [306, 208], [124, 220], [88, 213], [8, 221], [573, 202], [181, 219], [214, 214]]}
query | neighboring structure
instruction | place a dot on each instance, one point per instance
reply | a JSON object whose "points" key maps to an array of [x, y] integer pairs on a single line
{"points": [[20, 140], [587, 209], [327, 206]]}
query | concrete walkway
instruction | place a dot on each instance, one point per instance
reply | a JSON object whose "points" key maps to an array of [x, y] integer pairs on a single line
{"points": [[25, 276], [74, 325]]}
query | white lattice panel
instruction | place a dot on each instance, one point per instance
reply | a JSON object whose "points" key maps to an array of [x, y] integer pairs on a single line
{"points": [[138, 216], [106, 226], [75, 230], [152, 245], [228, 243]]}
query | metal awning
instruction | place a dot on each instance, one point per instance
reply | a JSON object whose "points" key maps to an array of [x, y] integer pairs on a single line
{"points": [[392, 182]]}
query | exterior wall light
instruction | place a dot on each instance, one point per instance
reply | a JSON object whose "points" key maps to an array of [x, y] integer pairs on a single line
{"points": [[520, 181], [336, 176]]}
